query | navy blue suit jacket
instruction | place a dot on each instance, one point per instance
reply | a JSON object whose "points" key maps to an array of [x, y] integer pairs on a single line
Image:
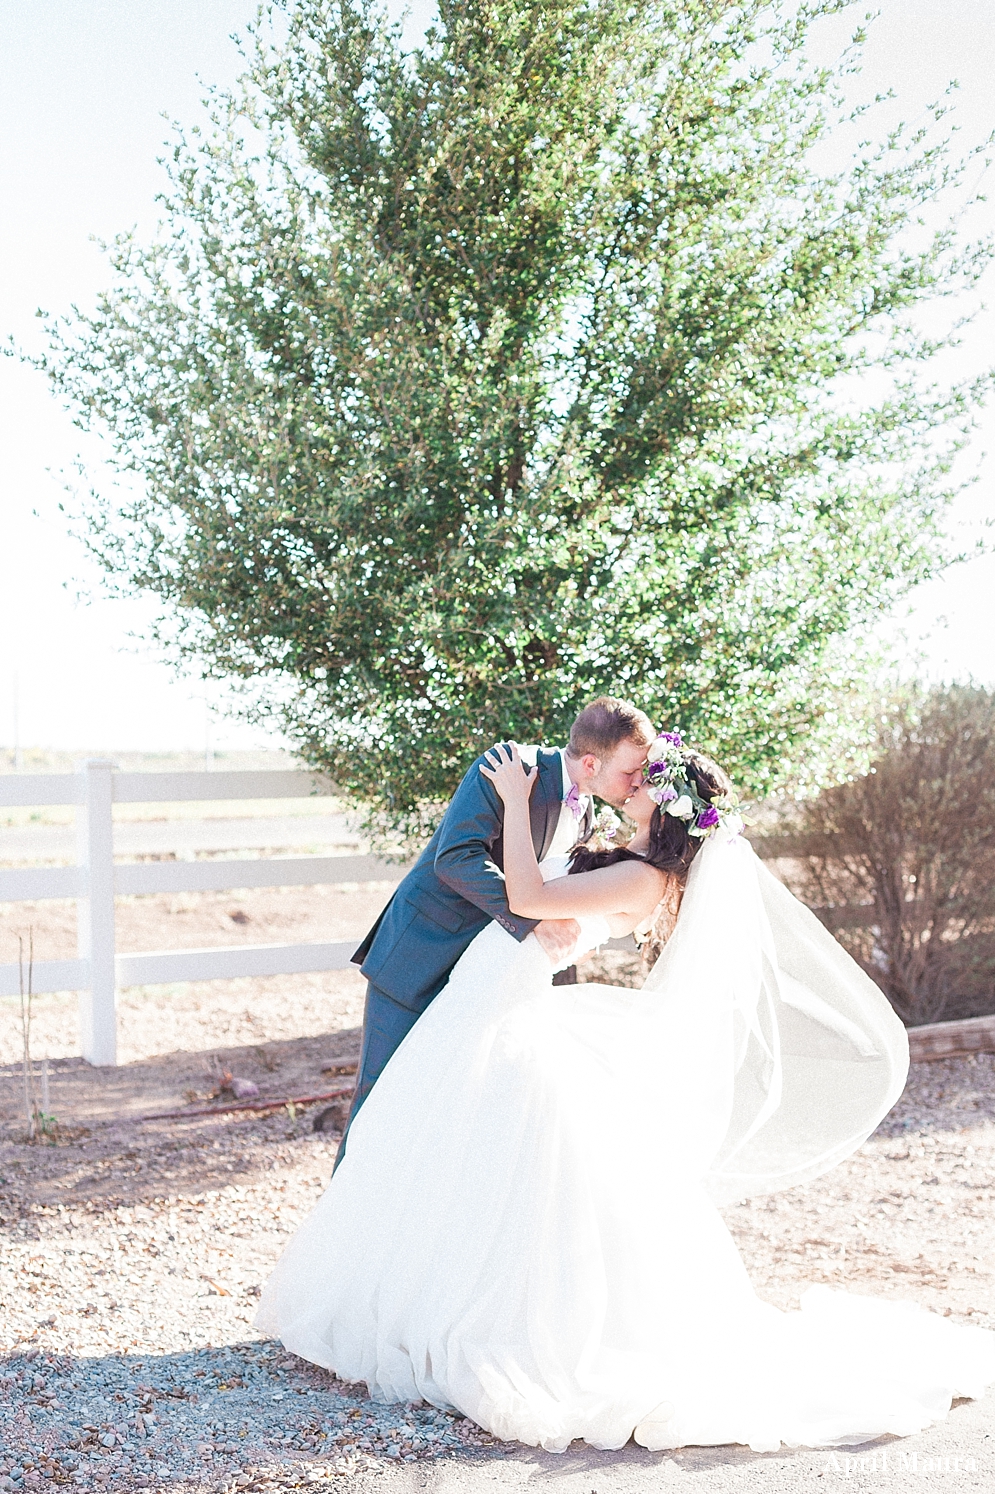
{"points": [[455, 888]]}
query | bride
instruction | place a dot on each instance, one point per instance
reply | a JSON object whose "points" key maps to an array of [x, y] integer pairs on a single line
{"points": [[525, 1227]]}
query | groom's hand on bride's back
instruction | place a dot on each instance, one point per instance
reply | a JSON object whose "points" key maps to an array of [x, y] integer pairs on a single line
{"points": [[558, 937]]}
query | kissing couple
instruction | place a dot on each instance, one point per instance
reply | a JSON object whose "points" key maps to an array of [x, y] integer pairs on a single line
{"points": [[524, 1225]]}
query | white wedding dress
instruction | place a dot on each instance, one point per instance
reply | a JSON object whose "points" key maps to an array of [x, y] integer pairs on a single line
{"points": [[524, 1226]]}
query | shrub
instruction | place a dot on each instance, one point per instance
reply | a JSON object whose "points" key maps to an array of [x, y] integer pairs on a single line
{"points": [[914, 841]]}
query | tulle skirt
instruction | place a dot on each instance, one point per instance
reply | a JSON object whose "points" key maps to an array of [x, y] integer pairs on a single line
{"points": [[519, 1232]]}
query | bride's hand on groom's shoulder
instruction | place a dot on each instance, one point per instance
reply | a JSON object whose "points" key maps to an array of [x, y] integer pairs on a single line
{"points": [[509, 774]]}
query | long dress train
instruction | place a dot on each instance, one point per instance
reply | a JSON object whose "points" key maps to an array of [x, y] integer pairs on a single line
{"points": [[524, 1227]]}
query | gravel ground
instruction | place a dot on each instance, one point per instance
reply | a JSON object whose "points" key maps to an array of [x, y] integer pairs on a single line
{"points": [[133, 1258], [173, 1031], [134, 1252]]}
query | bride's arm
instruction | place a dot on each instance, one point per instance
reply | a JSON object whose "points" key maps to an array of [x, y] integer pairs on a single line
{"points": [[627, 887]]}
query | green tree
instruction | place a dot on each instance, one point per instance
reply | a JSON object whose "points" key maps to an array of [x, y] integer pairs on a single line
{"points": [[463, 384]]}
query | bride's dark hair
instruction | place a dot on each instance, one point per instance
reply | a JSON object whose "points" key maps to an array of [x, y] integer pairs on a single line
{"points": [[671, 848]]}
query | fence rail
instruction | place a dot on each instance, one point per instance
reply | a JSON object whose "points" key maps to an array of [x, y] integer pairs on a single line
{"points": [[35, 884], [99, 971]]}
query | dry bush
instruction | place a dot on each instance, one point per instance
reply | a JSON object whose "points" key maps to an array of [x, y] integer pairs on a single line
{"points": [[915, 839]]}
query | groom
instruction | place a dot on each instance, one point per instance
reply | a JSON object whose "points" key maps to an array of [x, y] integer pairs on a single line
{"points": [[456, 886]]}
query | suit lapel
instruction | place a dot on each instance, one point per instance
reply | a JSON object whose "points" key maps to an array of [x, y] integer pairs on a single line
{"points": [[546, 799]]}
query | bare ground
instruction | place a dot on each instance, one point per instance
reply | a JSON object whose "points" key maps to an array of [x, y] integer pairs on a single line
{"points": [[201, 920], [134, 1251]]}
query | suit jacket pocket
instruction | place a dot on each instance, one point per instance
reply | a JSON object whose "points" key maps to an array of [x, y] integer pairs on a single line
{"points": [[437, 910]]}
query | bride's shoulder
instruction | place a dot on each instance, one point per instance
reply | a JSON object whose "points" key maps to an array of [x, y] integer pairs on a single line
{"points": [[635, 868]]}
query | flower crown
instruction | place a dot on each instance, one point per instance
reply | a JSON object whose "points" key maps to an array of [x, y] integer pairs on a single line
{"points": [[672, 786]]}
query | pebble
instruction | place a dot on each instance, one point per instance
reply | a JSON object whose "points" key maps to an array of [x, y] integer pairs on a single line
{"points": [[336, 1431]]}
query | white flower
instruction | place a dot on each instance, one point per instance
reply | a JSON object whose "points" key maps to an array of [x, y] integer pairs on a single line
{"points": [[682, 808]]}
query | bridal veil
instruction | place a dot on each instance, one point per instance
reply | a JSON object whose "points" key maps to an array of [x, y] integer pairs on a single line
{"points": [[784, 1055]]}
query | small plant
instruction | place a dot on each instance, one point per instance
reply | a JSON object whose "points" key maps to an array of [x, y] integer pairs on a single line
{"points": [[41, 1123], [221, 1076], [47, 1126], [26, 996]]}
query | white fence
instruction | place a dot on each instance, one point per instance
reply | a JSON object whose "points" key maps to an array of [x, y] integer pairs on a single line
{"points": [[96, 881]]}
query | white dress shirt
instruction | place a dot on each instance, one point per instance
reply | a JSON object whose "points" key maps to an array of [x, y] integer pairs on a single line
{"points": [[569, 826]]}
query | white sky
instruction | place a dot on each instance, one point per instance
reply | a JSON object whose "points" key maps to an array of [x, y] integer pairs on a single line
{"points": [[83, 91]]}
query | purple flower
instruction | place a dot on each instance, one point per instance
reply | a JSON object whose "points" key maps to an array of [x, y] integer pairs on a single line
{"points": [[708, 818], [674, 737], [654, 768], [661, 793]]}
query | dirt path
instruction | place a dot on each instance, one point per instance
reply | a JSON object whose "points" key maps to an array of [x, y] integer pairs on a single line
{"points": [[134, 1251]]}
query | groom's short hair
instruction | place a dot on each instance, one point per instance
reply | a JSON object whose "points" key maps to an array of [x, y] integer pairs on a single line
{"points": [[606, 722]]}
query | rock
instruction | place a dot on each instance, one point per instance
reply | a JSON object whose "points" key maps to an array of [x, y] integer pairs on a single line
{"points": [[333, 1118], [244, 1089]]}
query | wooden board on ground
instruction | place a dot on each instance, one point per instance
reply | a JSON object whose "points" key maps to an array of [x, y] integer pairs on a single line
{"points": [[945, 1039]]}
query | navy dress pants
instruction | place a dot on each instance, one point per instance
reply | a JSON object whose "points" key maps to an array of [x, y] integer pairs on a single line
{"points": [[385, 1025]]}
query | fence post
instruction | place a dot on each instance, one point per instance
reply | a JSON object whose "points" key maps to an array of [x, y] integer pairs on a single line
{"points": [[95, 913]]}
